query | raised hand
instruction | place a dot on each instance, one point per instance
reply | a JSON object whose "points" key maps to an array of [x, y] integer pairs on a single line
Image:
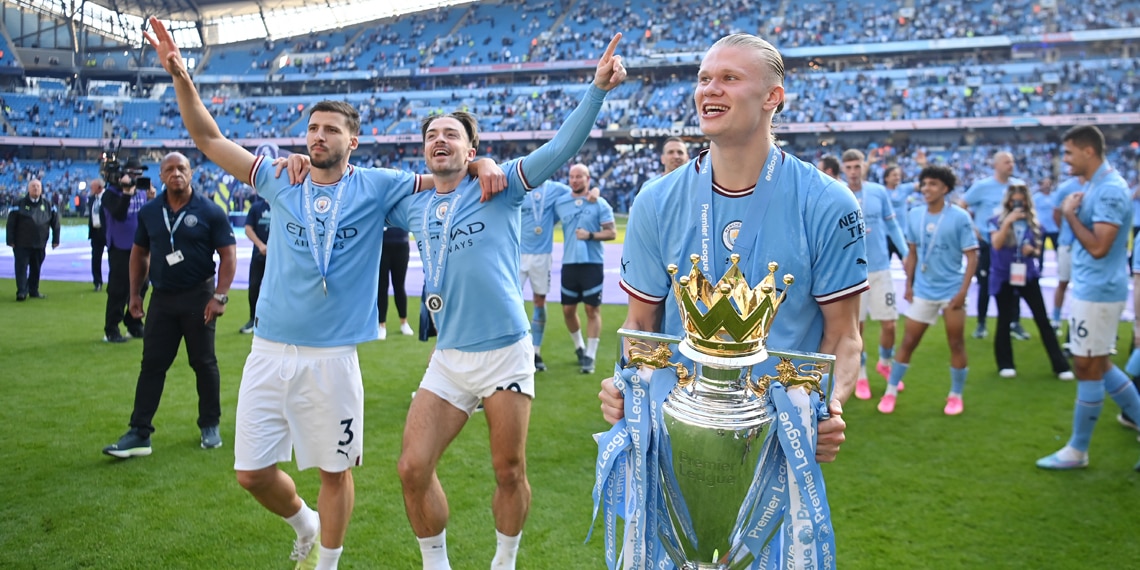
{"points": [[163, 43], [610, 71]]}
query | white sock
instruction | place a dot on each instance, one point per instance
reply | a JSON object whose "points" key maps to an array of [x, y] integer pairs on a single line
{"points": [[1072, 454], [862, 371], [576, 336], [434, 551], [506, 551], [954, 395], [306, 522], [592, 347], [538, 351], [329, 558], [892, 390]]}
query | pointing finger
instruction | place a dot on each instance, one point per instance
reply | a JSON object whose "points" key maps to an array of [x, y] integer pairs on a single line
{"points": [[612, 47]]}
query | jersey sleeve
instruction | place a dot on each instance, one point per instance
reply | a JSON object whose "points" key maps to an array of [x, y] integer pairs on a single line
{"points": [[1112, 206], [642, 260], [607, 214], [541, 164], [268, 186], [967, 238], [839, 259], [388, 186]]}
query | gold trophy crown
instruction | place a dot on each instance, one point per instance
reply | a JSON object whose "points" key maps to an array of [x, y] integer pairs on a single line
{"points": [[728, 319]]}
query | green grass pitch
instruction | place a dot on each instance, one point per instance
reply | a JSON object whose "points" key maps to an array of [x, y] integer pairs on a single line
{"points": [[912, 490]]}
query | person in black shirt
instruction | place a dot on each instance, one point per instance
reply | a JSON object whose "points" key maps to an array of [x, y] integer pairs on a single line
{"points": [[177, 236], [257, 230], [96, 232], [29, 222]]}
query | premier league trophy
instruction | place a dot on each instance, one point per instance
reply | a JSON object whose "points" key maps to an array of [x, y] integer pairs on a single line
{"points": [[717, 470]]}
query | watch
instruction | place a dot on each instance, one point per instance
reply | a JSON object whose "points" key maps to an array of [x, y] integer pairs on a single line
{"points": [[221, 298]]}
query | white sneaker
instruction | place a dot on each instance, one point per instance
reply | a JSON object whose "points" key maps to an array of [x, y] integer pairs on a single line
{"points": [[383, 333], [1067, 376], [1007, 373], [406, 329]]}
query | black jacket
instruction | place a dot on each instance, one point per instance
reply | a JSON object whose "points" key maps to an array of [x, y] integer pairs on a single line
{"points": [[29, 223]]}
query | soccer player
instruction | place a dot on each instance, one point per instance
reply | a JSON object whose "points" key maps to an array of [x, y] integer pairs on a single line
{"points": [[301, 389], [938, 235], [585, 225], [1064, 247], [1100, 218], [1045, 200], [537, 246], [674, 153], [902, 195], [470, 252], [829, 165], [878, 302], [983, 200], [807, 223]]}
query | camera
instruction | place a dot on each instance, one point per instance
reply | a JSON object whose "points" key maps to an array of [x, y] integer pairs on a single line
{"points": [[142, 183], [113, 171], [1018, 205]]}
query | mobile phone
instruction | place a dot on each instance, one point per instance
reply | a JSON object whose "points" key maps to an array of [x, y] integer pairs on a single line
{"points": [[142, 183]]}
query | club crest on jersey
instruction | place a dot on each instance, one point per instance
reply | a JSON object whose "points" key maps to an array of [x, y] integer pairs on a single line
{"points": [[578, 202], [930, 227], [441, 210], [728, 235], [537, 195], [191, 221], [322, 204]]}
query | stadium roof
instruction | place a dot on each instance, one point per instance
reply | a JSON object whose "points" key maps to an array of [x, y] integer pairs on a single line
{"points": [[196, 10]]}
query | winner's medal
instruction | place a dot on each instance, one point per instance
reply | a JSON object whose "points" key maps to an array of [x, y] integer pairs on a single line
{"points": [[538, 230], [436, 262], [322, 205], [434, 302]]}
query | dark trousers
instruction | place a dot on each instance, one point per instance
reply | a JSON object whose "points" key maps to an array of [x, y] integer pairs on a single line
{"points": [[394, 262], [172, 317], [98, 244], [256, 274], [982, 274], [29, 261], [1051, 238], [1008, 304], [119, 292]]}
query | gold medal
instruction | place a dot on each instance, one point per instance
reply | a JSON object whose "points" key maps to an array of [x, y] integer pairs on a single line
{"points": [[538, 230]]}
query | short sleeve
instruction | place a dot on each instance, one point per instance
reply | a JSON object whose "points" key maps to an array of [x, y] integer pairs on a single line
{"points": [[642, 260], [221, 231], [967, 239], [839, 255]]}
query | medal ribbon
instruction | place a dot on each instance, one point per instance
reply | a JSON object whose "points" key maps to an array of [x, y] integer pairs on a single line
{"points": [[435, 266], [701, 240], [330, 224]]}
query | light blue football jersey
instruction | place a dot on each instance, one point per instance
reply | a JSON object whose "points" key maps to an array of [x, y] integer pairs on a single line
{"points": [[881, 223], [538, 212], [1106, 200], [984, 200], [940, 240], [899, 198], [293, 308], [1044, 203], [812, 228], [480, 287], [482, 295], [578, 212], [1070, 185]]}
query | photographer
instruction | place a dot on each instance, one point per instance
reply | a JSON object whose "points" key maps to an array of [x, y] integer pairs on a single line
{"points": [[125, 194], [1016, 239]]}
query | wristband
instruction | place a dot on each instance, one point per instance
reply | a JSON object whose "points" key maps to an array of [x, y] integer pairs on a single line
{"points": [[591, 238]]}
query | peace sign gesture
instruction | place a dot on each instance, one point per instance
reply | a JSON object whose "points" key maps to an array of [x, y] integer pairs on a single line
{"points": [[163, 43], [610, 71]]}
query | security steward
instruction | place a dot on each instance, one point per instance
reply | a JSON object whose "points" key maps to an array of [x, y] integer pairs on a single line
{"points": [[177, 236], [29, 222]]}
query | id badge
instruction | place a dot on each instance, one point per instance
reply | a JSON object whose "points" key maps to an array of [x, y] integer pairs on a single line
{"points": [[1017, 272], [174, 258]]}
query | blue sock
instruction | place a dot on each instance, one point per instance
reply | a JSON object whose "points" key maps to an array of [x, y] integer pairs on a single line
{"points": [[1090, 400], [897, 373], [1122, 391], [863, 358], [958, 380], [1056, 313], [886, 353], [537, 325], [1133, 366]]}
